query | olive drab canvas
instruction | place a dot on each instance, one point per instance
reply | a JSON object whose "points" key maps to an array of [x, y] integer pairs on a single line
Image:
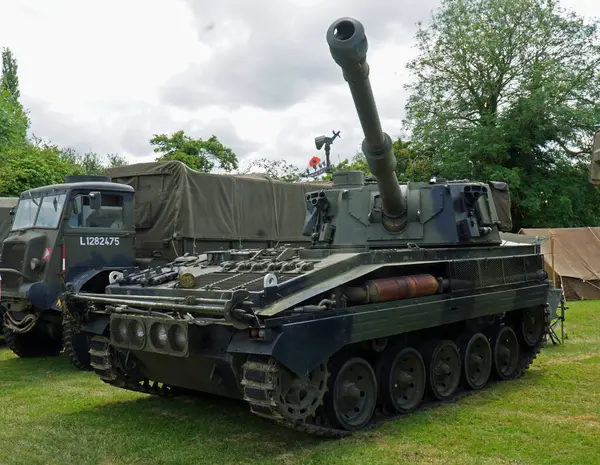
{"points": [[178, 209]]}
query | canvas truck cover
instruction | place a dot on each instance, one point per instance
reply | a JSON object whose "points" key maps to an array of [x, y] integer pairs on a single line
{"points": [[173, 199], [501, 198], [6, 205]]}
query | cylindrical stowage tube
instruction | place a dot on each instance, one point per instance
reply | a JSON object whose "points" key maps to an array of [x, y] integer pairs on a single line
{"points": [[386, 289], [348, 45], [186, 278]]}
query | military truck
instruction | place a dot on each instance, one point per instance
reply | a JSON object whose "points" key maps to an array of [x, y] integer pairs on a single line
{"points": [[173, 201], [7, 205], [80, 232], [404, 295]]}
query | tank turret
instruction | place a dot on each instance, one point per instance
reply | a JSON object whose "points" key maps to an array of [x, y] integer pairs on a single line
{"points": [[389, 214], [348, 45]]}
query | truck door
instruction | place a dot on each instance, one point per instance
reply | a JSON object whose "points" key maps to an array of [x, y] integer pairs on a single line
{"points": [[98, 233]]}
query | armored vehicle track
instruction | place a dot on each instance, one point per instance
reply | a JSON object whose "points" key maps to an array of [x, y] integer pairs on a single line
{"points": [[378, 386]]}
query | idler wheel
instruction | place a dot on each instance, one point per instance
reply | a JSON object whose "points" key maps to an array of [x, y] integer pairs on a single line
{"points": [[531, 326], [477, 361], [506, 353], [403, 379], [352, 396], [444, 370]]}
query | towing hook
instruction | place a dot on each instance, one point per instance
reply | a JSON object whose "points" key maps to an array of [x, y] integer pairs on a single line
{"points": [[233, 313]]}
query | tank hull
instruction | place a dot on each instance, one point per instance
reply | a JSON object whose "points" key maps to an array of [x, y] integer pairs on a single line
{"points": [[484, 294]]}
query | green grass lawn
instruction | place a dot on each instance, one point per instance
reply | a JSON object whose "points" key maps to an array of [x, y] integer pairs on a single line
{"points": [[52, 414]]}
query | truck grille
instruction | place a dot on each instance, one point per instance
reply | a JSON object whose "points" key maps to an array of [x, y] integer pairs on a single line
{"points": [[13, 256]]}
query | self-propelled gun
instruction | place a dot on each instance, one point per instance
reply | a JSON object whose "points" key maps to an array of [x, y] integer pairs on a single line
{"points": [[405, 294]]}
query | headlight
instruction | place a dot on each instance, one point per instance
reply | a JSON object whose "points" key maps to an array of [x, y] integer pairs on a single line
{"points": [[177, 338], [139, 330], [137, 334], [122, 330], [128, 332], [158, 335]]}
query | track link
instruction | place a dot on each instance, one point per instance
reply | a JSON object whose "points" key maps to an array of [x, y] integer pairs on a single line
{"points": [[103, 363], [260, 391], [72, 341]]}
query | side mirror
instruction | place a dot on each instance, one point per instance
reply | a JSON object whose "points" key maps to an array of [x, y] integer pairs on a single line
{"points": [[95, 200], [12, 212]]}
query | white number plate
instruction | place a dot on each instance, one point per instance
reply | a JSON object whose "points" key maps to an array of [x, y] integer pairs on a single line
{"points": [[98, 240]]}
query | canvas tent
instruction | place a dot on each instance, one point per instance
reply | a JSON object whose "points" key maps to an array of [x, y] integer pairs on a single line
{"points": [[176, 205], [516, 239], [573, 254], [6, 205]]}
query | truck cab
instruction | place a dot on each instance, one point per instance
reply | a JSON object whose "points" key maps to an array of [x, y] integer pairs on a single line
{"points": [[78, 233]]}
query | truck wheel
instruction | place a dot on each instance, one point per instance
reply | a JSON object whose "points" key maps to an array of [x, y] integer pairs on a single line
{"points": [[77, 344], [34, 343]]}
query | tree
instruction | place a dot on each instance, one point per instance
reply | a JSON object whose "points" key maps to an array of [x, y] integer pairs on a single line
{"points": [[199, 154], [10, 80], [91, 163], [280, 170], [34, 165], [508, 89], [115, 160], [357, 163], [411, 165], [14, 122]]}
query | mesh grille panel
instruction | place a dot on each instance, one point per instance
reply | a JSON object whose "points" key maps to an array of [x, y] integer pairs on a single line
{"points": [[476, 274], [231, 281]]}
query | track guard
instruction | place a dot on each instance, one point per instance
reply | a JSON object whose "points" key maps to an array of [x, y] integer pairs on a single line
{"points": [[293, 345]]}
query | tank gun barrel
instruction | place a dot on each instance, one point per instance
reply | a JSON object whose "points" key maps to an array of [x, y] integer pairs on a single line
{"points": [[348, 46]]}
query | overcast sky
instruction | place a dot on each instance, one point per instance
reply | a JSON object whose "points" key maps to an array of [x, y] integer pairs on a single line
{"points": [[107, 75]]}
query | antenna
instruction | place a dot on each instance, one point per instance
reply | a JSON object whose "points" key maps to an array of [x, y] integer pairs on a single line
{"points": [[318, 167]]}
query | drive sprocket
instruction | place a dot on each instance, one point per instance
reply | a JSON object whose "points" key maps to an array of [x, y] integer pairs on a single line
{"points": [[299, 397], [276, 393]]}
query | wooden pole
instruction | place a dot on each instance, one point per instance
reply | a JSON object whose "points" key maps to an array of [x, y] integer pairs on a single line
{"points": [[552, 254]]}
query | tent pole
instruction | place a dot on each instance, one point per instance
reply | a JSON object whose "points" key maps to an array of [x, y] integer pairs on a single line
{"points": [[552, 254]]}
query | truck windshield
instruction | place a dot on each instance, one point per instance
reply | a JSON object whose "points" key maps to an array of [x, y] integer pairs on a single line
{"points": [[25, 214], [50, 209]]}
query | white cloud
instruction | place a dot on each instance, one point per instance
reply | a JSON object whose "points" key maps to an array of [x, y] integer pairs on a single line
{"points": [[106, 76]]}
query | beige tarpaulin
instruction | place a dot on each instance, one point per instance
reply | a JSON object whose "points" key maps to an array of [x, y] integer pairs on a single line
{"points": [[172, 199], [575, 253], [6, 205]]}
